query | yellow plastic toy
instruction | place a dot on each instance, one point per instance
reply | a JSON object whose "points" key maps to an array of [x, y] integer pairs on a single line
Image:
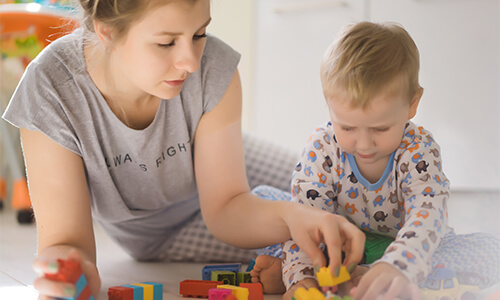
{"points": [[239, 292], [310, 294], [325, 277]]}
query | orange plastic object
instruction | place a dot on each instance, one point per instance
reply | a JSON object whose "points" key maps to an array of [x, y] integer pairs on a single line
{"points": [[46, 26], [254, 290], [20, 195], [3, 189], [197, 288]]}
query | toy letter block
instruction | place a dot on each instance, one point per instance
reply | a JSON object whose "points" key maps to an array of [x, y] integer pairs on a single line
{"points": [[254, 290], [325, 277], [70, 271], [206, 272], [219, 294], [197, 288], [227, 277], [239, 292], [244, 277]]}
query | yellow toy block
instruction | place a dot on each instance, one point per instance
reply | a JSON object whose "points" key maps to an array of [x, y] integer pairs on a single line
{"points": [[325, 277], [239, 292], [310, 294], [148, 290]]}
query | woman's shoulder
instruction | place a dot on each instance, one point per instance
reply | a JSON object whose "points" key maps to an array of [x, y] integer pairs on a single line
{"points": [[61, 59]]}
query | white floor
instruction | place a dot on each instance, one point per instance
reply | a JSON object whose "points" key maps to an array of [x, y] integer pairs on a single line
{"points": [[468, 212]]}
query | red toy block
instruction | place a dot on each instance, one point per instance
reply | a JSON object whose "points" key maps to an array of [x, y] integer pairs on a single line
{"points": [[69, 271], [197, 288], [254, 290], [120, 293]]}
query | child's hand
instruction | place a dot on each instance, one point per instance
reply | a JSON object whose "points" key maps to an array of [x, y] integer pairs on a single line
{"points": [[305, 283], [50, 289], [385, 282], [310, 226]]}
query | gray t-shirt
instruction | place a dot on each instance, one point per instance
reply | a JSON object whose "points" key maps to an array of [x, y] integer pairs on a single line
{"points": [[141, 182]]}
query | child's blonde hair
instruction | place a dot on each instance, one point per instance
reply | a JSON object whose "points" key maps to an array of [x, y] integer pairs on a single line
{"points": [[365, 57]]}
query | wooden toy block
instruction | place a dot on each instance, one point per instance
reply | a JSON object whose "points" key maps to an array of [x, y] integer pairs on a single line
{"points": [[197, 288], [227, 277], [219, 294], [206, 272], [240, 292], [325, 277], [244, 277], [254, 290], [70, 271]]}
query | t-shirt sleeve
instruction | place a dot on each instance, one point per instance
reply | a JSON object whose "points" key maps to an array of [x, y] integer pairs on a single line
{"points": [[38, 105], [219, 63]]}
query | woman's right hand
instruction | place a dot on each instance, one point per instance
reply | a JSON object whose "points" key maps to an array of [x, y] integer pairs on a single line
{"points": [[46, 263]]}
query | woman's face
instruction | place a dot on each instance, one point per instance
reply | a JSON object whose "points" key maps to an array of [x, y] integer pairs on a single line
{"points": [[163, 48]]}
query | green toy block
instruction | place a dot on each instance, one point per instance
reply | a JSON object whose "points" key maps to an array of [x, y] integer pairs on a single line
{"points": [[244, 277], [227, 277]]}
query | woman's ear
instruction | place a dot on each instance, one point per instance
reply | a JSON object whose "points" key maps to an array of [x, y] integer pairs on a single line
{"points": [[104, 33], [414, 103]]}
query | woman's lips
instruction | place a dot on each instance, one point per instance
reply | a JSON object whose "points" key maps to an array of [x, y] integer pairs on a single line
{"points": [[174, 82]]}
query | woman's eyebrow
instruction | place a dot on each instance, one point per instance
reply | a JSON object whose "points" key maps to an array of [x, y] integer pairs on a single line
{"points": [[180, 33]]}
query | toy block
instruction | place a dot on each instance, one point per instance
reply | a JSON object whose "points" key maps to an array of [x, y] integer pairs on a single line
{"points": [[251, 265], [226, 277], [244, 277], [310, 294], [70, 271], [120, 293], [206, 272], [138, 291], [325, 277], [240, 292], [219, 294], [157, 289], [254, 290], [197, 288]]}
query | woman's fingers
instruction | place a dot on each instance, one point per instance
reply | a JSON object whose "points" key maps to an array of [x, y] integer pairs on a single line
{"points": [[53, 288]]}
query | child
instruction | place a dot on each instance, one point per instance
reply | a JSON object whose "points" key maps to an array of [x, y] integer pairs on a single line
{"points": [[374, 166], [134, 119]]}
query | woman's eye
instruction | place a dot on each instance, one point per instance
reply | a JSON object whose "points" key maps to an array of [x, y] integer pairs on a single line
{"points": [[199, 36], [166, 45]]}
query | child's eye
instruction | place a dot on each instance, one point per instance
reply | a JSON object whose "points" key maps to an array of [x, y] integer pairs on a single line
{"points": [[347, 128], [381, 129]]}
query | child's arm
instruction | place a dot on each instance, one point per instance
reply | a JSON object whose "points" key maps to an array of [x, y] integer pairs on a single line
{"points": [[230, 211], [61, 202]]}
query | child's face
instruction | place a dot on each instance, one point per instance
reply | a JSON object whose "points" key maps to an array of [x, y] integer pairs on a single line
{"points": [[373, 133], [161, 50]]}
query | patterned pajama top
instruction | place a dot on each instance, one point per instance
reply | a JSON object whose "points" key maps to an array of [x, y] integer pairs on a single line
{"points": [[408, 203]]}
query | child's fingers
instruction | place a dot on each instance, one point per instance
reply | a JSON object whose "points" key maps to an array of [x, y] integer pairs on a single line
{"points": [[53, 288]]}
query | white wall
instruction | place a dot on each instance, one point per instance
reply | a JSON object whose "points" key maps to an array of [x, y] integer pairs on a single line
{"points": [[460, 71]]}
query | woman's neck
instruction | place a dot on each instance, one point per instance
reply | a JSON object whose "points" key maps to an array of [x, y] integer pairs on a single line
{"points": [[134, 107]]}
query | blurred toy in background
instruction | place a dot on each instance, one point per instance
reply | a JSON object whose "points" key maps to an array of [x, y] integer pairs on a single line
{"points": [[25, 29], [443, 283]]}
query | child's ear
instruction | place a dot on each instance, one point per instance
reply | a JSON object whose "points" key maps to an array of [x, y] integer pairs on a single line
{"points": [[414, 103], [104, 33]]}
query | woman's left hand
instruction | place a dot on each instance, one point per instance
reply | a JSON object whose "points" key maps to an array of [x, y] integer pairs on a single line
{"points": [[383, 281]]}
